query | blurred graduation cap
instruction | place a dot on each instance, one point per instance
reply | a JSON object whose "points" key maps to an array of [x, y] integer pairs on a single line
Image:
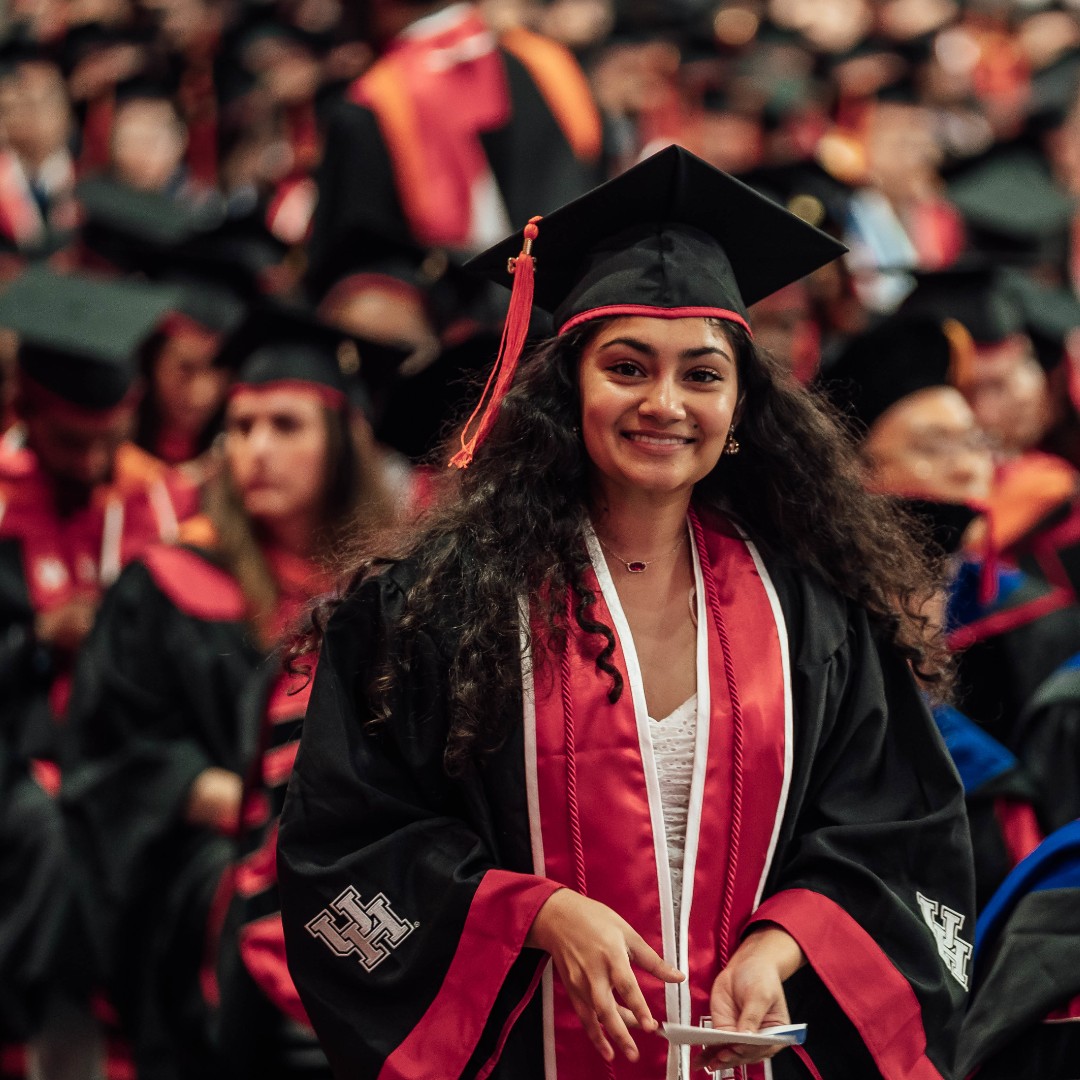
{"points": [[1054, 91], [279, 344], [80, 335], [18, 46], [1012, 206], [1051, 313], [977, 294], [891, 361], [805, 189], [448, 290], [126, 226], [672, 236], [422, 410]]}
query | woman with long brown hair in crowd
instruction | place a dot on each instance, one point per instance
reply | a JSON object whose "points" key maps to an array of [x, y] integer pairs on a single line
{"points": [[182, 647]]}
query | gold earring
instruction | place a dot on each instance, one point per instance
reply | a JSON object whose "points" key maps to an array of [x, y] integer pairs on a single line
{"points": [[732, 444]]}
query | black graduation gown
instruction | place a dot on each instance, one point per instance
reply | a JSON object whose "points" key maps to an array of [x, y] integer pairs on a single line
{"points": [[1024, 1019], [875, 813], [1006, 654], [530, 157], [1048, 742], [40, 950], [1002, 800], [261, 1029], [155, 702]]}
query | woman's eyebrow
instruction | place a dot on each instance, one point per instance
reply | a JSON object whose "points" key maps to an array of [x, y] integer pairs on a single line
{"points": [[686, 354]]}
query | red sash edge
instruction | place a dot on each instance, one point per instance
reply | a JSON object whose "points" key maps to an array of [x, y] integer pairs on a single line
{"points": [[500, 916], [862, 979], [734, 587]]}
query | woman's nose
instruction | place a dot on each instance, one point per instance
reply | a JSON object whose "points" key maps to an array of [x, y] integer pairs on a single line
{"points": [[662, 400]]}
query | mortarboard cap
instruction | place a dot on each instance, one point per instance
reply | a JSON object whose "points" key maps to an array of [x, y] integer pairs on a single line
{"points": [[1011, 205], [1051, 313], [80, 335], [124, 224], [367, 249], [670, 234], [423, 409], [976, 294], [886, 364], [280, 344], [670, 237]]}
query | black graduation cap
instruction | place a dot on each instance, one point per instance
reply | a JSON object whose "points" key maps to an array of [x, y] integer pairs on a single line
{"points": [[670, 234], [887, 363], [277, 343], [1012, 205], [127, 226], [370, 249], [1051, 313], [422, 410], [80, 335], [18, 47], [1054, 91], [975, 293], [806, 189]]}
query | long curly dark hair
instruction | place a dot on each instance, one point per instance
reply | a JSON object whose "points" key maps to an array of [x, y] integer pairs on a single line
{"points": [[513, 526]]}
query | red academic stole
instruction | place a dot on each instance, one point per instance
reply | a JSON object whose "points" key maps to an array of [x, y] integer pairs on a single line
{"points": [[595, 812]]}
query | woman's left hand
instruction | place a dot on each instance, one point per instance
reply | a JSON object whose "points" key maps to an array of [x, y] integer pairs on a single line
{"points": [[749, 995]]}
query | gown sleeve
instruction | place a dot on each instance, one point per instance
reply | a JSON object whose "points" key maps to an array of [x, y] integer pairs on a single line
{"points": [[873, 876], [404, 935]]}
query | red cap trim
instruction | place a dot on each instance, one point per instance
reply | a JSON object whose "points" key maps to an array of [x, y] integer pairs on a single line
{"points": [[179, 323], [349, 286], [611, 310], [331, 398]]}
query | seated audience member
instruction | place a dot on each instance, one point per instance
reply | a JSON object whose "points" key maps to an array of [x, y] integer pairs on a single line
{"points": [[1024, 1019], [182, 643]]}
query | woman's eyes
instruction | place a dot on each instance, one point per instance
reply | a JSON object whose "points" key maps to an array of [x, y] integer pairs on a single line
{"points": [[629, 369]]}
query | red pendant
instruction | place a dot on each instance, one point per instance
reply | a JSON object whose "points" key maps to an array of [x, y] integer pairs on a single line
{"points": [[636, 567]]}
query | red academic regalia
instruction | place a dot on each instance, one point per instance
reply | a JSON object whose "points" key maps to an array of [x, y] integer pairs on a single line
{"points": [[45, 559], [822, 800], [439, 115], [160, 693]]}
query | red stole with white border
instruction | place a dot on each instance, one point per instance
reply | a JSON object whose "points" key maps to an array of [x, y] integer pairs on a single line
{"points": [[595, 810]]}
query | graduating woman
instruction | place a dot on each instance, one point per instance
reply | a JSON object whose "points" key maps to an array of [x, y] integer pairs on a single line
{"points": [[628, 733], [182, 644]]}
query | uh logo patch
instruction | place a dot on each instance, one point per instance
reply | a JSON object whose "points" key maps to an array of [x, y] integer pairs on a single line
{"points": [[945, 925], [348, 926]]}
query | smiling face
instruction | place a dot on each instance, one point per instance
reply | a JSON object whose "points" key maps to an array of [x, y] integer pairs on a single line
{"points": [[657, 401]]}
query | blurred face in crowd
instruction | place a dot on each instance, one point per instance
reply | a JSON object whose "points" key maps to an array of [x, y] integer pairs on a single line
{"points": [[384, 310], [148, 143], [1009, 394], [783, 326], [901, 151], [928, 446], [35, 115], [187, 388], [276, 450], [77, 449]]}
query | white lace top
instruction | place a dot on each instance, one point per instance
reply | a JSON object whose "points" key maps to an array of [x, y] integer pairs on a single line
{"points": [[673, 747]]}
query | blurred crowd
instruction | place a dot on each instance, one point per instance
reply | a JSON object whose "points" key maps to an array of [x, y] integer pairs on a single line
{"points": [[236, 329]]}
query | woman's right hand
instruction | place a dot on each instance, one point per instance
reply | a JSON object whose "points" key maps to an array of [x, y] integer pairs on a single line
{"points": [[593, 949]]}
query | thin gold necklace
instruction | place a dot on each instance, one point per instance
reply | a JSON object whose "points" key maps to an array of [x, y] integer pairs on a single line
{"points": [[639, 566]]}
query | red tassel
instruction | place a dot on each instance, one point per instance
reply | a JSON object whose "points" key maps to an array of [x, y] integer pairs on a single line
{"points": [[991, 563], [515, 330]]}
